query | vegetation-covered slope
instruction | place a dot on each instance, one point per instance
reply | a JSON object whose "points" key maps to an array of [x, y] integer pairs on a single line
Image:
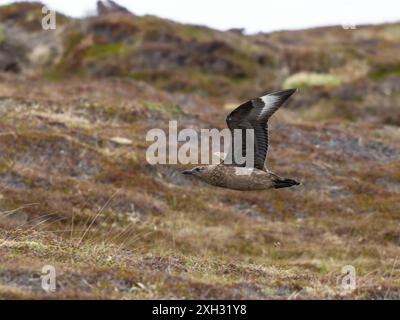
{"points": [[76, 191]]}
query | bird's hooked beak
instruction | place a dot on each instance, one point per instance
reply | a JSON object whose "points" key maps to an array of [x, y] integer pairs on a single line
{"points": [[193, 171], [187, 172]]}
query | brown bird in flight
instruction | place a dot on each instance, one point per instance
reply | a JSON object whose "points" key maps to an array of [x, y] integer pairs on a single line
{"points": [[253, 115]]}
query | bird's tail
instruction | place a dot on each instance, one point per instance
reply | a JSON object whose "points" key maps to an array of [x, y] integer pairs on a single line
{"points": [[285, 183]]}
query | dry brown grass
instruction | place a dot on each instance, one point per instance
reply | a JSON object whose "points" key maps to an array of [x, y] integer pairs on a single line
{"points": [[115, 227]]}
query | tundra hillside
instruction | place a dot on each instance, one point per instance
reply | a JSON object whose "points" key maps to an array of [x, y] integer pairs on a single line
{"points": [[77, 193]]}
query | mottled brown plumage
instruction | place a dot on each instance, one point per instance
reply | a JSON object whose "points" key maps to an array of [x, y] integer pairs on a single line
{"points": [[252, 115]]}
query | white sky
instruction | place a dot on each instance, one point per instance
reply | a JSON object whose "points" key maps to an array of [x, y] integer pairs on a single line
{"points": [[253, 15]]}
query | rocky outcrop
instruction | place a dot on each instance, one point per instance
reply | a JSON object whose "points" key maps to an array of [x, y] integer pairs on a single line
{"points": [[109, 6]]}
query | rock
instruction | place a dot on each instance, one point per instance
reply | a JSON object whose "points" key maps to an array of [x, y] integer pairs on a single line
{"points": [[239, 31], [109, 6]]}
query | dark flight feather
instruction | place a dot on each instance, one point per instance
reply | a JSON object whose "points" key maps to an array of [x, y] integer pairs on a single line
{"points": [[254, 114]]}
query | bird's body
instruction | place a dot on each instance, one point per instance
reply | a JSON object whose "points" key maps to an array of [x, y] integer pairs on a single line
{"points": [[252, 115], [242, 178]]}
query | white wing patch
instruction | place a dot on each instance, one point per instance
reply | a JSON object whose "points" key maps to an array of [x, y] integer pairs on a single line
{"points": [[269, 102]]}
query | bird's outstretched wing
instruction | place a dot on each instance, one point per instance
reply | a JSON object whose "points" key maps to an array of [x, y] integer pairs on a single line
{"points": [[254, 114]]}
